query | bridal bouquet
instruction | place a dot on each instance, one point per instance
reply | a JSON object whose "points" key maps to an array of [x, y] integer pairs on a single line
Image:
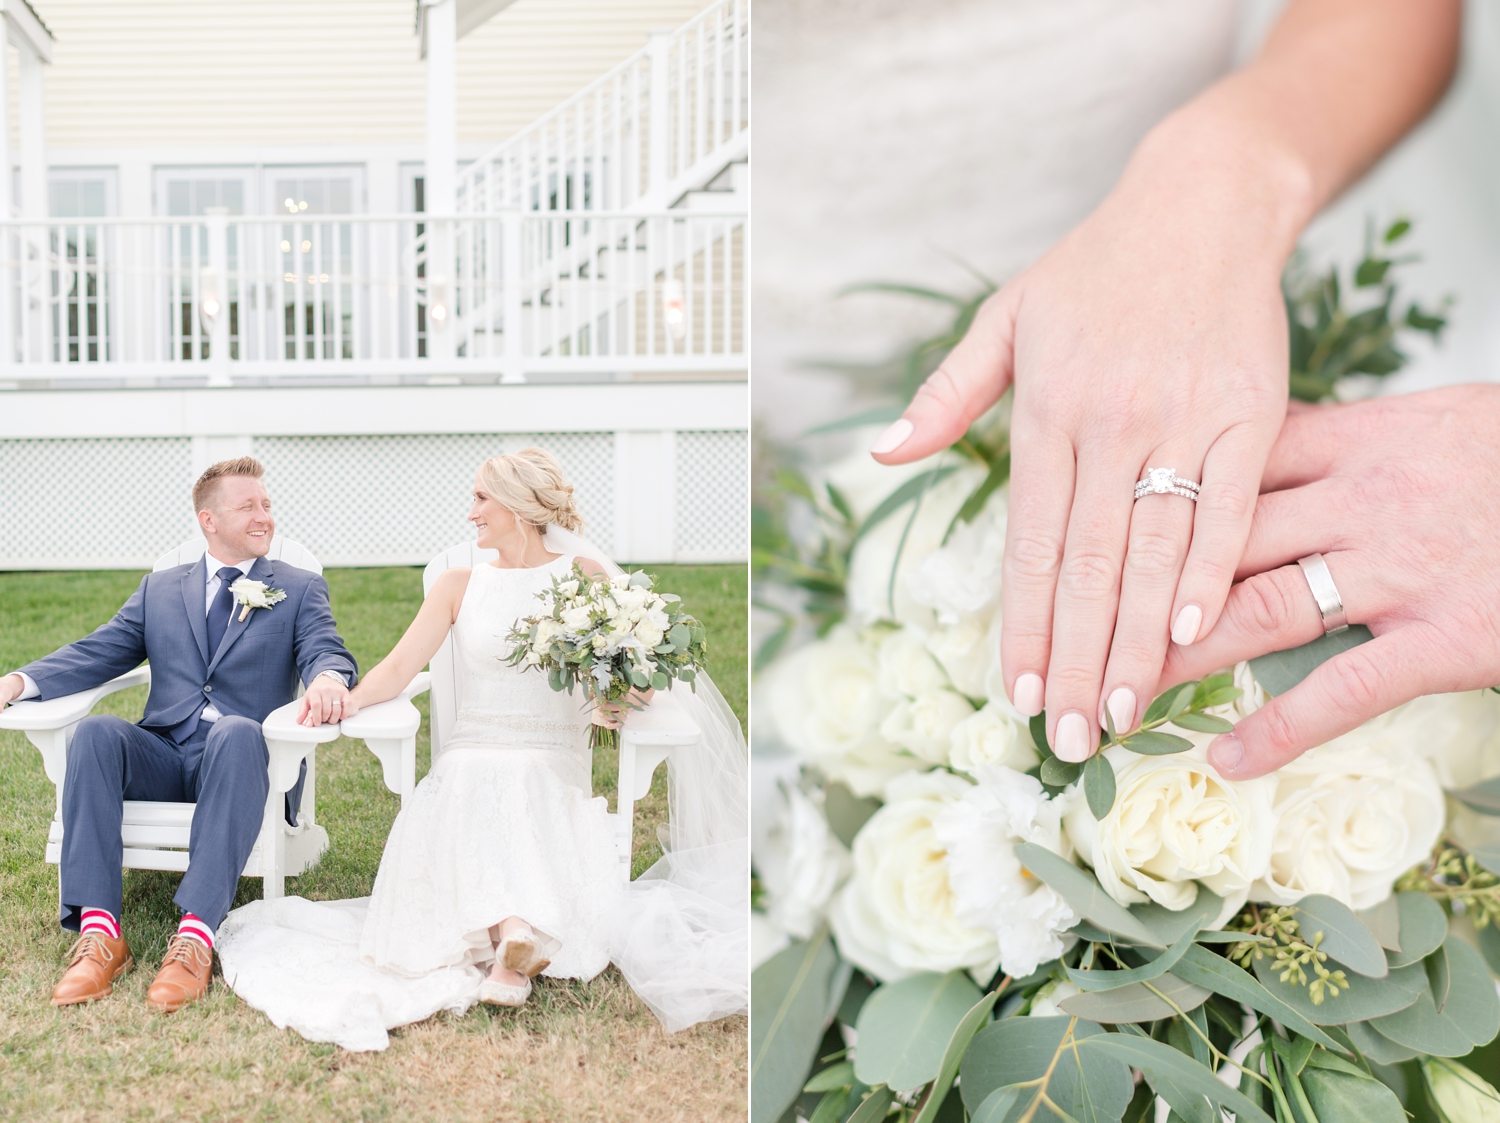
{"points": [[952, 923], [611, 637]]}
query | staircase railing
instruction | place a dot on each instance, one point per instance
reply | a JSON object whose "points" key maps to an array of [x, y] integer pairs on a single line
{"points": [[661, 123]]}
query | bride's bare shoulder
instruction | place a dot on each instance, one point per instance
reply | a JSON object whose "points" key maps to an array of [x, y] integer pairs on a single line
{"points": [[449, 588], [591, 567]]}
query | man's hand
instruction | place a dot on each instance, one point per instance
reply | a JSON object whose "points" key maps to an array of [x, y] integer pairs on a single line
{"points": [[326, 700], [1401, 496], [11, 687]]}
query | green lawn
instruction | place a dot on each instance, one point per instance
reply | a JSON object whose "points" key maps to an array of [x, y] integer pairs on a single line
{"points": [[577, 1051]]}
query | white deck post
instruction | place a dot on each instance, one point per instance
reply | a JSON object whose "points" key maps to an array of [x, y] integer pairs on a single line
{"points": [[213, 292], [657, 45], [511, 233], [36, 293], [440, 18]]}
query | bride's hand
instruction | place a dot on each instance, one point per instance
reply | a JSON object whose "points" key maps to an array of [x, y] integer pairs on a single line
{"points": [[1401, 496], [1153, 335], [612, 715]]}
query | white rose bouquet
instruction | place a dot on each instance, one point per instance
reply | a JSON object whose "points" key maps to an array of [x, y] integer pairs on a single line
{"points": [[611, 637], [962, 926]]}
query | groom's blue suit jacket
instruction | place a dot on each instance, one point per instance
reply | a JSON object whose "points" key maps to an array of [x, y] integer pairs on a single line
{"points": [[250, 671]]}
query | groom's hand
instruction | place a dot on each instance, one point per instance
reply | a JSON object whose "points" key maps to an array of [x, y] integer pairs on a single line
{"points": [[326, 700], [11, 687], [1401, 496]]}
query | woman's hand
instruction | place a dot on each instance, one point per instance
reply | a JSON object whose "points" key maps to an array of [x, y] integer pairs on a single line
{"points": [[1154, 336], [1401, 496], [612, 715]]}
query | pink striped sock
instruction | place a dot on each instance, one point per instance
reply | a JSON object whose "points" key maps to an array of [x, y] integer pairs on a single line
{"points": [[99, 920], [193, 926]]}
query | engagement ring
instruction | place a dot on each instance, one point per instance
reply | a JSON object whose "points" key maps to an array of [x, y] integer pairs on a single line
{"points": [[1166, 481], [1325, 592]]}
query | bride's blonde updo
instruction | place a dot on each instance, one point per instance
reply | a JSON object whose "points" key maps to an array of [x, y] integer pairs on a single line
{"points": [[531, 484]]}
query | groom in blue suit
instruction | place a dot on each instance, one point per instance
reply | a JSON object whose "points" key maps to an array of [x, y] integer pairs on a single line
{"points": [[224, 654]]}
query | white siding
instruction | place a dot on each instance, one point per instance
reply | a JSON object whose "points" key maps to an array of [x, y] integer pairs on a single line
{"points": [[186, 73]]}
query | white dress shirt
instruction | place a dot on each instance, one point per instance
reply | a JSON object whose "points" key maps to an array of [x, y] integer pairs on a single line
{"points": [[211, 590]]}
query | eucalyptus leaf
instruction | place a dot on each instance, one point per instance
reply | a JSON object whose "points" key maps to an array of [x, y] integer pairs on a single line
{"points": [[904, 1028], [1059, 773], [847, 812], [1203, 723], [1163, 997], [1161, 704], [840, 1075], [1092, 1088], [1472, 1000], [1375, 1046], [958, 1045], [1279, 671], [1099, 784], [1423, 927], [1152, 742], [1181, 700], [911, 490], [833, 1105], [1083, 893], [1099, 981], [1489, 946], [874, 1107], [1488, 857], [1483, 797], [997, 1106], [1169, 1069], [880, 415], [789, 997], [1336, 1095], [1384, 922], [1345, 937], [1038, 727], [1439, 977], [1169, 924], [1420, 1026], [999, 472], [1366, 998], [1205, 969]]}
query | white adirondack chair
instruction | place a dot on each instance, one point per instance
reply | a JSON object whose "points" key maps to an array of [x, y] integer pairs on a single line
{"points": [[156, 834], [389, 728]]}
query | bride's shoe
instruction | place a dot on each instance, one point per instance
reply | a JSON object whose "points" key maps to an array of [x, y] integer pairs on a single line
{"points": [[526, 951], [503, 994]]}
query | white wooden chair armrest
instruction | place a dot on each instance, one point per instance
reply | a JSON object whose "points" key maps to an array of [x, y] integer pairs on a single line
{"points": [[389, 730], [59, 713], [662, 722], [288, 743]]}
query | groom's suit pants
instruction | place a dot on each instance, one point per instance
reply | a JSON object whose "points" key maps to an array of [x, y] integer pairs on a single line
{"points": [[221, 768]]}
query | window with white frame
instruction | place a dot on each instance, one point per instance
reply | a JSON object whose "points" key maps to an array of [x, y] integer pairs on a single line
{"points": [[82, 259]]}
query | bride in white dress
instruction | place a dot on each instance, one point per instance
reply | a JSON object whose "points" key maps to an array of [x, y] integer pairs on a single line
{"points": [[503, 865]]}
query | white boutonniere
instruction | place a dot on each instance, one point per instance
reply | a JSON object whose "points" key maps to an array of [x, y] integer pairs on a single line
{"points": [[255, 594]]}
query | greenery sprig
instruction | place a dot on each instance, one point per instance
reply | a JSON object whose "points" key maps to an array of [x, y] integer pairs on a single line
{"points": [[1291, 953]]}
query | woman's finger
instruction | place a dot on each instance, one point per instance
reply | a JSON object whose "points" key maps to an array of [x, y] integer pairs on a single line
{"points": [[1041, 490], [1341, 694], [1088, 594], [971, 379], [1160, 528], [1221, 523]]}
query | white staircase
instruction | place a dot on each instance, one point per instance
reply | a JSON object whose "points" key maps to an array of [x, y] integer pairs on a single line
{"points": [[662, 125]]}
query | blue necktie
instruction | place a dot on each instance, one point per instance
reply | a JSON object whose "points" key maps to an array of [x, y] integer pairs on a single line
{"points": [[218, 624], [218, 612]]}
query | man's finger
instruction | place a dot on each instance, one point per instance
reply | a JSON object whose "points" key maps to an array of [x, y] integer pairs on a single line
{"points": [[971, 379], [1341, 694], [1294, 523], [1304, 450]]}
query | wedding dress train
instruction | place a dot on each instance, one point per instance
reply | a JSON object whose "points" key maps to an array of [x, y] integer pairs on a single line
{"points": [[504, 825]]}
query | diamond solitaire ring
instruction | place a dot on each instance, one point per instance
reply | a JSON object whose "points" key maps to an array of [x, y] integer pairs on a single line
{"points": [[1166, 481], [1325, 592]]}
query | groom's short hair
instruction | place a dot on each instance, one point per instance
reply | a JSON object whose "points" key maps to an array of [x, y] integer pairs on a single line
{"points": [[205, 491]]}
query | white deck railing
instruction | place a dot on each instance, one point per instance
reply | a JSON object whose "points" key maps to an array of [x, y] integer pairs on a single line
{"points": [[221, 297], [661, 123]]}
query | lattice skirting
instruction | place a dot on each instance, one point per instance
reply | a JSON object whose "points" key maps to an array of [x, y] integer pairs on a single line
{"points": [[102, 503]]}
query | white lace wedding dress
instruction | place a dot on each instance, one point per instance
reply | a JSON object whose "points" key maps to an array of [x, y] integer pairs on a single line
{"points": [[503, 825]]}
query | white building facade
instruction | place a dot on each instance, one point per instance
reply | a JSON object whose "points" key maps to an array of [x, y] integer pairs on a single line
{"points": [[339, 235]]}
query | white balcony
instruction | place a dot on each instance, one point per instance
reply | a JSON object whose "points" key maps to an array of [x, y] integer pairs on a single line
{"points": [[233, 300]]}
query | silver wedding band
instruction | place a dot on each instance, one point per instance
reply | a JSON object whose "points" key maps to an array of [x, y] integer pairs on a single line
{"points": [[1166, 481], [1325, 592]]}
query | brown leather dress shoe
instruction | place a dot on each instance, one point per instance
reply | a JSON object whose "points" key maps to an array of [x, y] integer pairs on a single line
{"points": [[183, 977], [97, 961]]}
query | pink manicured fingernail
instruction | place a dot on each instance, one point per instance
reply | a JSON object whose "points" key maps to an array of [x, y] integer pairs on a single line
{"points": [[1072, 738], [1225, 753], [1122, 709], [893, 438], [1185, 627], [1028, 694]]}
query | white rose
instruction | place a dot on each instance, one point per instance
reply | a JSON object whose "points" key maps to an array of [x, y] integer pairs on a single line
{"points": [[895, 916], [1350, 819], [533, 659], [599, 643], [963, 576], [648, 635], [1175, 822], [925, 724], [824, 702], [568, 588], [869, 585], [765, 939], [964, 650], [546, 631], [996, 734], [907, 668], [992, 891], [620, 581], [800, 860], [1044, 1004], [576, 619]]}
